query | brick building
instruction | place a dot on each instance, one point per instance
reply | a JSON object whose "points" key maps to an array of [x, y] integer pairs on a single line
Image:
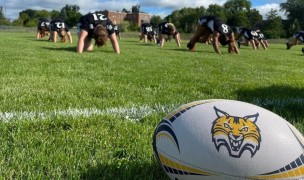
{"points": [[134, 18]]}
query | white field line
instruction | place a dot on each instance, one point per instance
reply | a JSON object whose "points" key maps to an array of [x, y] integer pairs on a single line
{"points": [[134, 113], [131, 113]]}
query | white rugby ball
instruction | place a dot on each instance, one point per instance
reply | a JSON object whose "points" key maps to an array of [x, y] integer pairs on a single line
{"points": [[228, 139]]}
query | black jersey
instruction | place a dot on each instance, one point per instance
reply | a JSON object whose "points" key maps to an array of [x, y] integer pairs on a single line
{"points": [[146, 28], [299, 35], [89, 21], [57, 24], [249, 34], [261, 36], [116, 30], [214, 23], [163, 29], [43, 22]]}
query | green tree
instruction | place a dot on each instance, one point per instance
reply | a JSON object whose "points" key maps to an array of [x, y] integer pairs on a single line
{"points": [[234, 6], [273, 27], [71, 14], [2, 17], [216, 10], [24, 19], [63, 14], [3, 20], [42, 13], [124, 26], [185, 19], [236, 12], [295, 27], [54, 14], [29, 12], [155, 20], [294, 11], [254, 17], [29, 17], [239, 20]]}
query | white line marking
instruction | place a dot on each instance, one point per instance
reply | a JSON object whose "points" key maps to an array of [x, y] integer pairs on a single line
{"points": [[132, 113]]}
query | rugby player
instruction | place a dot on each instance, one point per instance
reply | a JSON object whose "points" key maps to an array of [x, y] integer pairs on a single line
{"points": [[95, 26], [59, 27], [221, 33], [166, 28], [297, 38], [250, 36], [261, 39], [147, 33], [43, 28]]}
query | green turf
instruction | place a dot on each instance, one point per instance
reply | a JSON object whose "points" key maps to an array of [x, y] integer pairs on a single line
{"points": [[91, 116]]}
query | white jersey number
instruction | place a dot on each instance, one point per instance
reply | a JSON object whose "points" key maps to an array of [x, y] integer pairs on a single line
{"points": [[99, 17], [60, 25], [225, 28], [149, 29], [253, 33]]}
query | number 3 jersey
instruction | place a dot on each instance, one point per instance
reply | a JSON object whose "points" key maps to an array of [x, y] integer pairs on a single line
{"points": [[214, 23], [57, 24], [89, 21]]}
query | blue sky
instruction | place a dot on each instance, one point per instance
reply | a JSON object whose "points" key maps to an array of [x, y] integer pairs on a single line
{"points": [[154, 7]]}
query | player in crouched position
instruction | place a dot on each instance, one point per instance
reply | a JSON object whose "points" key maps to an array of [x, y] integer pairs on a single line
{"points": [[261, 40], [95, 26], [59, 27], [43, 28], [168, 29], [147, 33], [298, 36], [221, 33], [254, 37]]}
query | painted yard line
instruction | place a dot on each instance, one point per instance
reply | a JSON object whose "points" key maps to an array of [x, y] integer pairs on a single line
{"points": [[134, 113], [131, 113]]}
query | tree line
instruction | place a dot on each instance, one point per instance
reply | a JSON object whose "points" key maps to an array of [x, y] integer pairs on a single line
{"points": [[239, 13], [236, 13], [29, 17]]}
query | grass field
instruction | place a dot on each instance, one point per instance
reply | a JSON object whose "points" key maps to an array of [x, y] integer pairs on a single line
{"points": [[91, 116]]}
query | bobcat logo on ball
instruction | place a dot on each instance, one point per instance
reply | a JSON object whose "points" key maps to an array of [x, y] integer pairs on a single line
{"points": [[237, 134]]}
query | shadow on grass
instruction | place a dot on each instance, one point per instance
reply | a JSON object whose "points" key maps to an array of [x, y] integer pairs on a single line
{"points": [[70, 49], [146, 44], [283, 100], [182, 49], [35, 39], [128, 170]]}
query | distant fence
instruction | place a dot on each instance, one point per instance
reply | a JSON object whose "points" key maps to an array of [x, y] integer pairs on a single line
{"points": [[17, 28]]}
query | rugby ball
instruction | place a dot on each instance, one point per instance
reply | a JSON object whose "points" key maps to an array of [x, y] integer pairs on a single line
{"points": [[228, 139]]}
